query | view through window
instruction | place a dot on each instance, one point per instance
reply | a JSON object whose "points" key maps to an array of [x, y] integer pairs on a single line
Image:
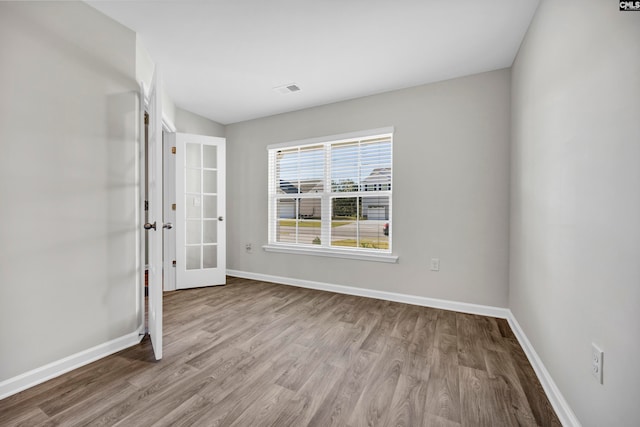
{"points": [[334, 194]]}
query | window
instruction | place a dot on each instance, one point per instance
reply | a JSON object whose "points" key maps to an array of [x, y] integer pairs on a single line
{"points": [[332, 195]]}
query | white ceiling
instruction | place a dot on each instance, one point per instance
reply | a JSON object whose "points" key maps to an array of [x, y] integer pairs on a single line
{"points": [[222, 58]]}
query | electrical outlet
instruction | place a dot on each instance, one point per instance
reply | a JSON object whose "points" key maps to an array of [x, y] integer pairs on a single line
{"points": [[596, 362], [435, 264], [248, 248]]}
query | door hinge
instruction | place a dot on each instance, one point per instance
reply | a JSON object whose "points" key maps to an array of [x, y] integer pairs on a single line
{"points": [[173, 150], [173, 207], [146, 205], [174, 262]]}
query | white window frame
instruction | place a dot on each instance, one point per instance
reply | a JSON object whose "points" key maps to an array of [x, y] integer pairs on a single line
{"points": [[326, 200]]}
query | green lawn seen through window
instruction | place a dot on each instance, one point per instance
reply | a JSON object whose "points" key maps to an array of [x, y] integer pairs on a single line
{"points": [[309, 223], [364, 243]]}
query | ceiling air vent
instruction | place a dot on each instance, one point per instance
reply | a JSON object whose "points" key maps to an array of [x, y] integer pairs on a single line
{"points": [[292, 87]]}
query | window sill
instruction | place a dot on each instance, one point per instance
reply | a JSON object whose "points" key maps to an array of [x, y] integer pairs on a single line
{"points": [[333, 253]]}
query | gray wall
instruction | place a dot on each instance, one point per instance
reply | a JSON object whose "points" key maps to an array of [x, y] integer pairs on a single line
{"points": [[67, 182], [575, 202], [188, 122], [451, 177]]}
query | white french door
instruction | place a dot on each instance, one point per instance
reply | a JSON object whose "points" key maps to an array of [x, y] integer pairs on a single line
{"points": [[155, 225], [200, 210]]}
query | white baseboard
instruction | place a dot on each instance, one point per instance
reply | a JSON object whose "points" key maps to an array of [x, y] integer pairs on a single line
{"points": [[44, 373], [560, 405], [463, 307]]}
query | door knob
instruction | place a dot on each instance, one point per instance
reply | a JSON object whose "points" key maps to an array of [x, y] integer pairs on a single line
{"points": [[220, 218], [168, 226], [149, 226]]}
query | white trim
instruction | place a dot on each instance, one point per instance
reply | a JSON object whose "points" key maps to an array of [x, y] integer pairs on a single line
{"points": [[44, 373], [358, 254], [167, 125], [140, 211], [169, 215], [560, 405], [462, 307], [370, 133]]}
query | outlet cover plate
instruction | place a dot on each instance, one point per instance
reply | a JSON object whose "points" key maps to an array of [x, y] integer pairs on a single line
{"points": [[597, 356]]}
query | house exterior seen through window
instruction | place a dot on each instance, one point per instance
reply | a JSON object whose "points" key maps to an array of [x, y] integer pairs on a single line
{"points": [[332, 194]]}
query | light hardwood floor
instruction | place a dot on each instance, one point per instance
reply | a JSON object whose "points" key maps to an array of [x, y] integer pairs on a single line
{"points": [[260, 354]]}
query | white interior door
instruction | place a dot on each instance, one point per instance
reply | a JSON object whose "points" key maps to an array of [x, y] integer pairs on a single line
{"points": [[200, 211], [155, 225], [142, 198]]}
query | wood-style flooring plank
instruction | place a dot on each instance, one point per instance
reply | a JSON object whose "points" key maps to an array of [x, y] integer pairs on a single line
{"points": [[79, 415], [471, 341], [57, 387], [30, 416], [179, 416], [258, 353], [446, 323], [266, 408], [500, 365], [149, 411], [407, 406], [424, 334], [299, 372], [337, 406], [435, 421], [376, 397], [443, 388], [406, 324], [484, 401], [538, 401], [343, 352], [226, 410], [383, 328], [167, 383], [299, 410]]}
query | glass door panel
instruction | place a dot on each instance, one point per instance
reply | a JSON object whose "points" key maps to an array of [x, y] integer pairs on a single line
{"points": [[201, 210]]}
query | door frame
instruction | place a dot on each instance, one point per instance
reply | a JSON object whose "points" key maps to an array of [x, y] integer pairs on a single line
{"points": [[169, 174]]}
